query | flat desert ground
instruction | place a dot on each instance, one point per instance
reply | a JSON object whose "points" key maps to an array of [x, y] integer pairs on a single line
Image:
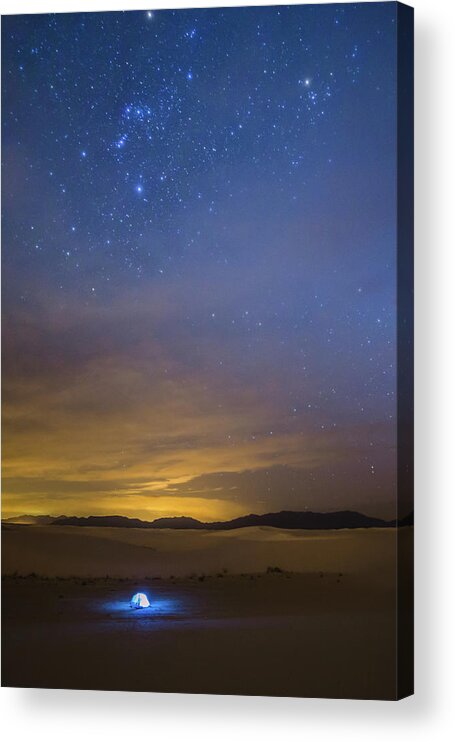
{"points": [[254, 611]]}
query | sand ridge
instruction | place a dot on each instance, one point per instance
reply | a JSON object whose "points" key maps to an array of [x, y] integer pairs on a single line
{"points": [[65, 551]]}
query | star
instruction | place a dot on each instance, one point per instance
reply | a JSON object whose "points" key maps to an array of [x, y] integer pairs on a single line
{"points": [[162, 157]]}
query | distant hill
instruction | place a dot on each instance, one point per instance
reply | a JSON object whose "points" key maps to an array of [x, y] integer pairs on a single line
{"points": [[42, 520], [306, 520], [178, 522], [287, 519], [106, 521], [121, 521]]}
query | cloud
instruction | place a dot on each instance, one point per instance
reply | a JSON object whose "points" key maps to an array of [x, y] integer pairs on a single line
{"points": [[131, 406]]}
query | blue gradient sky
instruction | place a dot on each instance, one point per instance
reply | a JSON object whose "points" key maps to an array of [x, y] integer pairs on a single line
{"points": [[199, 261]]}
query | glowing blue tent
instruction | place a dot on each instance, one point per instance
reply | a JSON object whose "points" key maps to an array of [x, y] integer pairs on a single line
{"points": [[139, 600]]}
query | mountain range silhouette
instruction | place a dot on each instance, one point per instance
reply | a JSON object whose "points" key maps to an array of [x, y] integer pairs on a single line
{"points": [[288, 519]]}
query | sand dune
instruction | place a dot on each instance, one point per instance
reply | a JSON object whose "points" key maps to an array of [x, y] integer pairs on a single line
{"points": [[327, 626], [136, 553]]}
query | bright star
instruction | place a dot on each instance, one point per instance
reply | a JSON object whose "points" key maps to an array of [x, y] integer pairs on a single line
{"points": [[139, 189]]}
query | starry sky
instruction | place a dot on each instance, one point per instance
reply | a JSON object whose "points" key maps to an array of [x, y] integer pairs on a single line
{"points": [[199, 248]]}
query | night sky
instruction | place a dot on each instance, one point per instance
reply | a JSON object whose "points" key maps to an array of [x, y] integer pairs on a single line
{"points": [[199, 248]]}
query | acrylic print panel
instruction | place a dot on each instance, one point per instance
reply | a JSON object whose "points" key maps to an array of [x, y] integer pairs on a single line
{"points": [[207, 374]]}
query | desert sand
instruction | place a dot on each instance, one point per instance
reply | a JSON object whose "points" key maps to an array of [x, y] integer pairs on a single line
{"points": [[256, 611], [64, 551]]}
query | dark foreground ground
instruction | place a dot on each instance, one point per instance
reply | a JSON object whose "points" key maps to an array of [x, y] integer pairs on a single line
{"points": [[318, 635]]}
